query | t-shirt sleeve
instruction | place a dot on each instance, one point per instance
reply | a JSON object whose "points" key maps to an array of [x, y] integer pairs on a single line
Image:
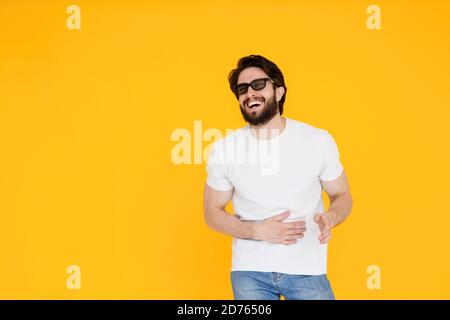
{"points": [[215, 168], [331, 164]]}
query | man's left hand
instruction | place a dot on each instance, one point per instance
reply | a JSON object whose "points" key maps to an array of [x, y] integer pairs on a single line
{"points": [[325, 225]]}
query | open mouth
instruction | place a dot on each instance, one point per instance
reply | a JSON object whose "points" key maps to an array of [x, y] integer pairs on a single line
{"points": [[254, 104]]}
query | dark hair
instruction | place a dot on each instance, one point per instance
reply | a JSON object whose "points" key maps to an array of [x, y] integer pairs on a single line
{"points": [[266, 65]]}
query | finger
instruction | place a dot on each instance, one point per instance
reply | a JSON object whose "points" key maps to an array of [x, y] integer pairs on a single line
{"points": [[326, 221], [322, 239], [296, 228], [292, 239], [324, 236], [324, 230], [317, 217], [289, 232], [289, 241], [296, 236], [296, 232], [325, 239], [296, 224]]}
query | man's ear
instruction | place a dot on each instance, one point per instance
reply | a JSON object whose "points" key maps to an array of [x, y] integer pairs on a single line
{"points": [[280, 92]]}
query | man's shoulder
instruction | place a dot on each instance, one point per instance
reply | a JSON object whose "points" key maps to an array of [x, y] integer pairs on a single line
{"points": [[307, 128]]}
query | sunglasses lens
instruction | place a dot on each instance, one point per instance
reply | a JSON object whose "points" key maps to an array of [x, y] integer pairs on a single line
{"points": [[258, 84], [242, 88]]}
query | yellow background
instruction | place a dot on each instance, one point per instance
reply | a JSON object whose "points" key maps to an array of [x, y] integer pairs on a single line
{"points": [[86, 116]]}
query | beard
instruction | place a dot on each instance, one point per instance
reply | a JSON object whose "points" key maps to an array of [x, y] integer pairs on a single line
{"points": [[265, 115]]}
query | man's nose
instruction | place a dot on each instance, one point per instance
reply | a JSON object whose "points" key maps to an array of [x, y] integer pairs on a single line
{"points": [[251, 92]]}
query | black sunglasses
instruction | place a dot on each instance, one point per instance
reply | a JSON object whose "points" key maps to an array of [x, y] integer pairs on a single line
{"points": [[257, 84]]}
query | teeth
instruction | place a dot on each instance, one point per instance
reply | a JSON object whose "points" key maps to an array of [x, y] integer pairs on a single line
{"points": [[251, 104]]}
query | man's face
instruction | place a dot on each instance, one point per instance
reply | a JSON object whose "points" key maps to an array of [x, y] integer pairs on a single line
{"points": [[257, 106]]}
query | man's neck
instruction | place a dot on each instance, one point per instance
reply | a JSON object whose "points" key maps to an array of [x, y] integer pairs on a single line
{"points": [[271, 129]]}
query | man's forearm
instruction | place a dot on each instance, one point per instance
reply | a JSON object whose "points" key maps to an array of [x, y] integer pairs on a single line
{"points": [[221, 221], [340, 208]]}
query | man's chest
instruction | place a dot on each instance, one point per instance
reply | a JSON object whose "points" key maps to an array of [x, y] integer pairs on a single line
{"points": [[291, 172]]}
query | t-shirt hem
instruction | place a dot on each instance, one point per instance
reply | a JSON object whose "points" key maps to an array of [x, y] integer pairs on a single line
{"points": [[333, 177], [298, 271], [214, 186]]}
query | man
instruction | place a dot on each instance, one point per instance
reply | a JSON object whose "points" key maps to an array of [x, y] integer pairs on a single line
{"points": [[280, 229]]}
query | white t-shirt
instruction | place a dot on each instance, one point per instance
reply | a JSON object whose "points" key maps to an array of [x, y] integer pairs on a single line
{"points": [[270, 176]]}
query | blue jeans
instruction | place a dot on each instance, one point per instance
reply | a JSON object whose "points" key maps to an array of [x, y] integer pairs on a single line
{"points": [[255, 285]]}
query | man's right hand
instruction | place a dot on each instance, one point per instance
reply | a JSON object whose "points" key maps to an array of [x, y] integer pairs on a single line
{"points": [[273, 230]]}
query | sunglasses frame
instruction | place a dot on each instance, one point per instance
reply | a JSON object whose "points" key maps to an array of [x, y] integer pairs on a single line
{"points": [[251, 84]]}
